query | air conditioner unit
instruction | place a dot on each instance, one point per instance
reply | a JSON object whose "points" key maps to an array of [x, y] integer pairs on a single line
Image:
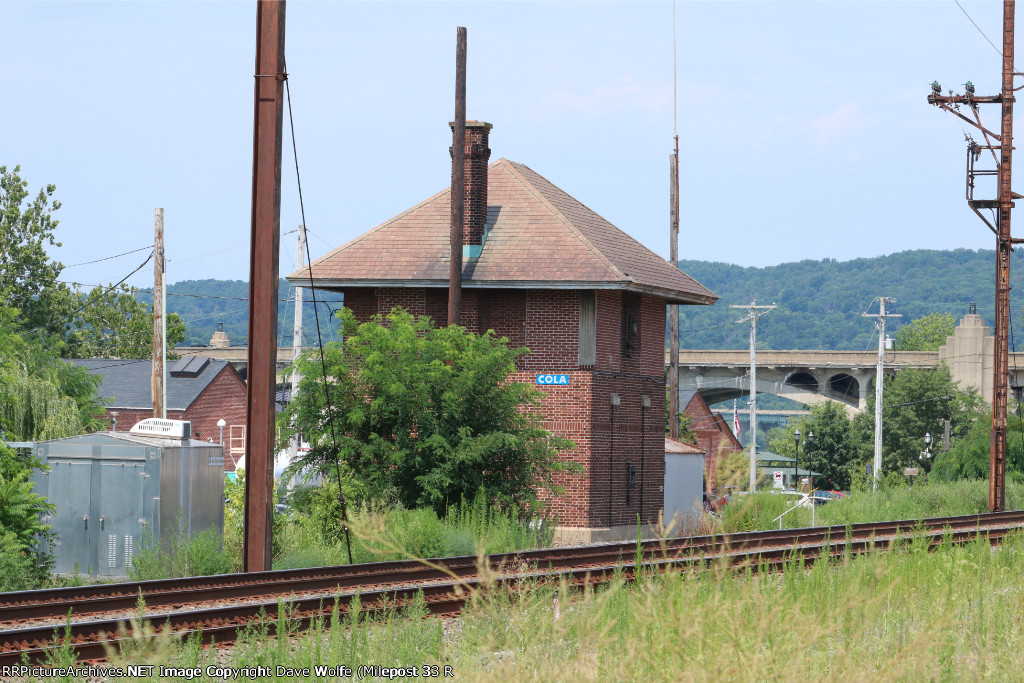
{"points": [[168, 429]]}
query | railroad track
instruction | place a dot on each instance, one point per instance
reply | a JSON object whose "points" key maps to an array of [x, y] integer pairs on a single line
{"points": [[217, 608]]}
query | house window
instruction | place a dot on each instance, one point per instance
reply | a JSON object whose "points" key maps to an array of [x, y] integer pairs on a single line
{"points": [[588, 328], [630, 325]]}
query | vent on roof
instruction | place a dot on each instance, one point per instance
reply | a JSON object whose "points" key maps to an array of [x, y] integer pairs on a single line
{"points": [[190, 366], [155, 426]]}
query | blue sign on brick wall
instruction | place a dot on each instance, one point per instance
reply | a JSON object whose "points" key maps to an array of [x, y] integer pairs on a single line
{"points": [[553, 379]]}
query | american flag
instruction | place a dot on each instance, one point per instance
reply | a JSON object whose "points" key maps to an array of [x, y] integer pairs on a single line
{"points": [[735, 420]]}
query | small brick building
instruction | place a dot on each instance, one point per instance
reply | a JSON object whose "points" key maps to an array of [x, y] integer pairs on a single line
{"points": [[713, 434], [545, 271], [200, 390]]}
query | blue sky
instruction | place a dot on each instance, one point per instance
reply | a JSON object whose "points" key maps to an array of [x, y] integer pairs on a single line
{"points": [[804, 128]]}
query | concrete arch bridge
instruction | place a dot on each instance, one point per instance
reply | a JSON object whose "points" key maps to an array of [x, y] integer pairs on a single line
{"points": [[808, 377], [812, 377]]}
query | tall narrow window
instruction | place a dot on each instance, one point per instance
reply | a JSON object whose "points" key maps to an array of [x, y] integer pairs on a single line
{"points": [[588, 328]]}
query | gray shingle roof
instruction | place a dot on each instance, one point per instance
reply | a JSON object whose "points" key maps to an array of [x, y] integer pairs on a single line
{"points": [[127, 382], [539, 237]]}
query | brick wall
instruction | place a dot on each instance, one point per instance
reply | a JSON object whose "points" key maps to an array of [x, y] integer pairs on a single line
{"points": [[552, 330], [713, 435], [607, 440], [624, 434], [224, 399]]}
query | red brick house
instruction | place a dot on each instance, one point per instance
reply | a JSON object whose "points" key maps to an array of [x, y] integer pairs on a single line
{"points": [[199, 389], [713, 434], [550, 274]]}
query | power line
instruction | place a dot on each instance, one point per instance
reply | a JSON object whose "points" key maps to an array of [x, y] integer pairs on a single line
{"points": [[998, 51], [133, 251], [87, 304]]}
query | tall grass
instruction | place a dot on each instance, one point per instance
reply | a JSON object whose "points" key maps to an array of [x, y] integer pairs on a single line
{"points": [[387, 533], [924, 499], [901, 615]]}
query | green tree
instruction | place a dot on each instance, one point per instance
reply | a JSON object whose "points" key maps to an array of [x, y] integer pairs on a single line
{"points": [[426, 414], [829, 453], [968, 457], [28, 277], [112, 323], [41, 396], [916, 403], [832, 450], [927, 333]]}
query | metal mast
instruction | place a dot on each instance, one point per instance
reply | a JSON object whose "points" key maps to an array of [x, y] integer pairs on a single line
{"points": [[263, 285], [458, 180], [673, 317], [673, 231], [752, 317], [1004, 241]]}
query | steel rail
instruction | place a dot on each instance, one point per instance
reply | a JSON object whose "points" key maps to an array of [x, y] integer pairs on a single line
{"points": [[223, 624], [751, 548], [88, 600]]}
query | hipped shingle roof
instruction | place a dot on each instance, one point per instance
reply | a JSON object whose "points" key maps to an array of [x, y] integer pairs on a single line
{"points": [[539, 237]]}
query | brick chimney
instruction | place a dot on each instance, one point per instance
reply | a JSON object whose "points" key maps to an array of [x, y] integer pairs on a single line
{"points": [[475, 201]]}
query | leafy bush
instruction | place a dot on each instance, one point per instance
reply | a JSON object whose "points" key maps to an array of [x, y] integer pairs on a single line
{"points": [[180, 555], [424, 413]]}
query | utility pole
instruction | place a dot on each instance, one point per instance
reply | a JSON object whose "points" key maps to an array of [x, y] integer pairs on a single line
{"points": [[263, 285], [879, 370], [673, 231], [458, 180], [1003, 203], [158, 388], [673, 315], [752, 317], [300, 263]]}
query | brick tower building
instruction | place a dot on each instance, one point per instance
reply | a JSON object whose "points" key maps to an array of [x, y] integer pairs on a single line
{"points": [[545, 271]]}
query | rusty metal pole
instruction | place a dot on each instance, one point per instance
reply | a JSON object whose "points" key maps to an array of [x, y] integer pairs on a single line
{"points": [[1004, 248], [673, 315], [263, 284], [157, 384], [458, 179]]}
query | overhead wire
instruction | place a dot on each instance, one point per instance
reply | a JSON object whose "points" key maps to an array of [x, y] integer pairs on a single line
{"points": [[319, 336], [998, 51], [107, 258], [71, 315]]}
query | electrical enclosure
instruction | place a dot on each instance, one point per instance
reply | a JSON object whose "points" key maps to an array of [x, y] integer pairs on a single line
{"points": [[114, 491]]}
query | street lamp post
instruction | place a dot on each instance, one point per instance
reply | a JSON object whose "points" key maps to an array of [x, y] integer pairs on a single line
{"points": [[796, 461], [926, 454], [810, 476], [221, 423]]}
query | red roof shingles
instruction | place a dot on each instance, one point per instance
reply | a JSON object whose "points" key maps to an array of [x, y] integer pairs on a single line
{"points": [[539, 236], [675, 446]]}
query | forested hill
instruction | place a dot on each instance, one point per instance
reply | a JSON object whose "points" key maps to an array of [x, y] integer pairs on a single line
{"points": [[820, 302], [204, 303]]}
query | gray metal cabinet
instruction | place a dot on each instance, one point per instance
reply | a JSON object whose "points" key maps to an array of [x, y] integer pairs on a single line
{"points": [[111, 488]]}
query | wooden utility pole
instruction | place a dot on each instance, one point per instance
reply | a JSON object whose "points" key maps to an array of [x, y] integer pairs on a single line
{"points": [[263, 284], [1003, 203], [157, 385], [458, 180], [673, 314]]}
